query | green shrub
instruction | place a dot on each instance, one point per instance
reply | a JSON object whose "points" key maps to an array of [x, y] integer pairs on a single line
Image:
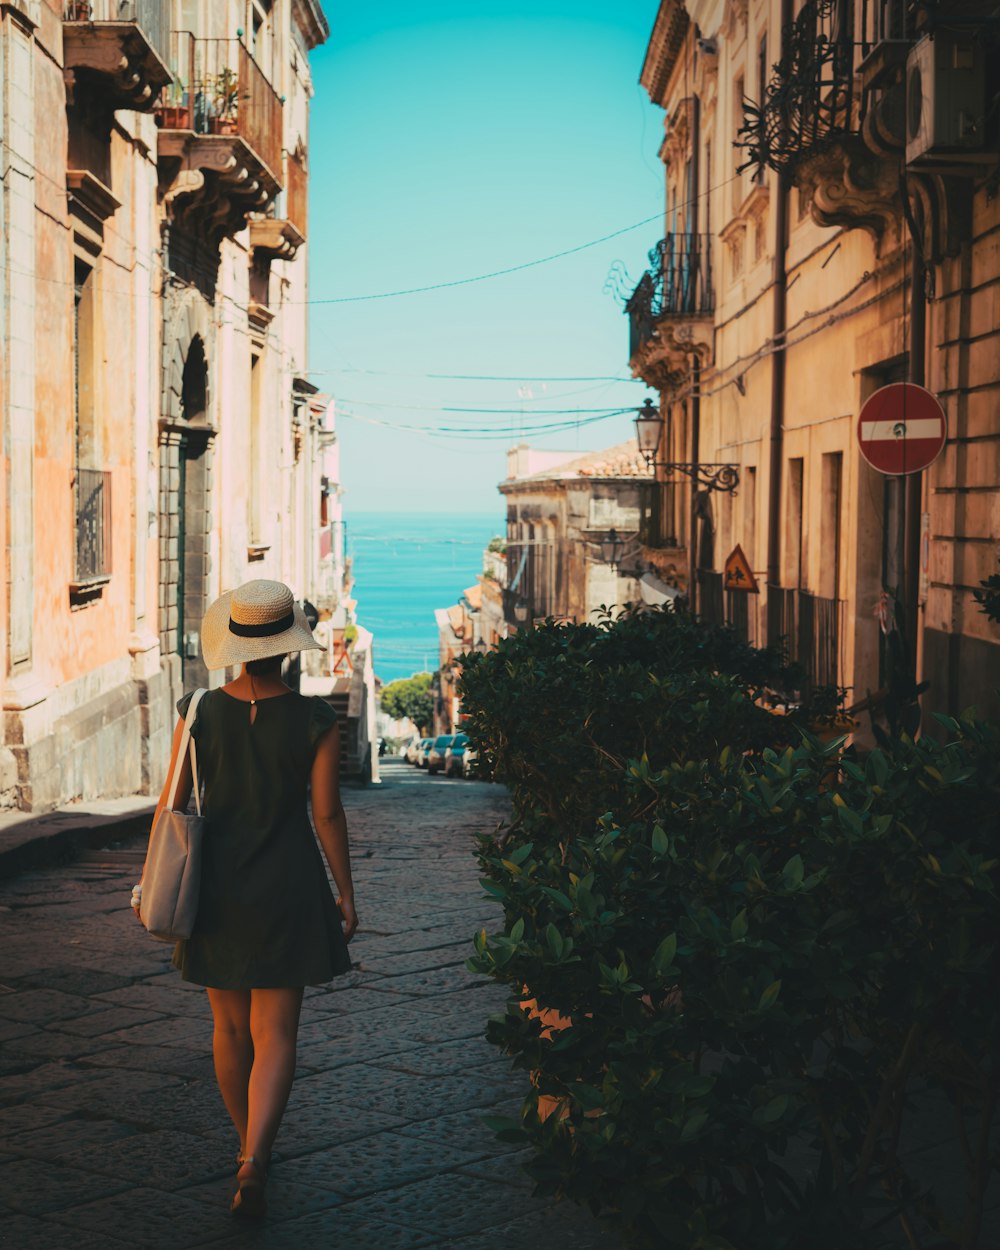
{"points": [[759, 965], [559, 709]]}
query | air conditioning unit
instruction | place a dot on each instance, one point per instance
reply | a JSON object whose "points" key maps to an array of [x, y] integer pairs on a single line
{"points": [[946, 105]]}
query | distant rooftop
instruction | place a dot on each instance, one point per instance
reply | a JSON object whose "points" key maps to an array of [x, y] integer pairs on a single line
{"points": [[621, 461]]}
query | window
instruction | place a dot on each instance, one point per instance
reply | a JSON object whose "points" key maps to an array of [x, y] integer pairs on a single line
{"points": [[759, 174], [262, 35], [91, 484], [739, 91], [83, 367], [736, 250], [748, 489], [794, 526], [759, 236], [829, 573], [255, 510]]}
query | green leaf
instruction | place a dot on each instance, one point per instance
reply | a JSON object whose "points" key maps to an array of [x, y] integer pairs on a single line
{"points": [[522, 853], [517, 932], [660, 841], [694, 1124], [554, 941], [738, 929], [663, 956], [772, 1111], [769, 996], [793, 872], [493, 887]]}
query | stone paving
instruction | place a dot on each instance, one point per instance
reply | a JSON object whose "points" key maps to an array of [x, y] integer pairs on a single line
{"points": [[112, 1131]]}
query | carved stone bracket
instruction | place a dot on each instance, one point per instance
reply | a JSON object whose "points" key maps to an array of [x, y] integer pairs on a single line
{"points": [[274, 237], [130, 71], [210, 183], [664, 361], [850, 186]]}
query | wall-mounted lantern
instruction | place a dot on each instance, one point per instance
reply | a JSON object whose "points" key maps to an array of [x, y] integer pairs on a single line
{"points": [[649, 432]]}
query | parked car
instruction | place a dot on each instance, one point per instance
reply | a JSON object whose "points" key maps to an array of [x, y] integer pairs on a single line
{"points": [[470, 763], [423, 751], [412, 749], [454, 755], [435, 756]]}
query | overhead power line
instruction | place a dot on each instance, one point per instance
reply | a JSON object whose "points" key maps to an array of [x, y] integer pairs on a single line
{"points": [[483, 277], [524, 378]]}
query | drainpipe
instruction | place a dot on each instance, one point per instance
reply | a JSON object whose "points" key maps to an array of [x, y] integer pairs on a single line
{"points": [[779, 324], [914, 482], [695, 362]]}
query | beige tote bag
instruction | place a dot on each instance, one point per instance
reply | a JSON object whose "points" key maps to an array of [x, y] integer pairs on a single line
{"points": [[173, 863]]}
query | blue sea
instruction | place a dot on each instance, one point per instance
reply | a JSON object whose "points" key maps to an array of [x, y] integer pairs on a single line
{"points": [[406, 564]]}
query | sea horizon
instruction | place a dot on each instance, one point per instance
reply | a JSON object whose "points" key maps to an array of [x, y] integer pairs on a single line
{"points": [[407, 563]]}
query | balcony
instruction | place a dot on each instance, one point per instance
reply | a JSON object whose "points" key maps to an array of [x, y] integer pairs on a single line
{"points": [[280, 235], [810, 102], [92, 506], [671, 310], [220, 139], [718, 606], [120, 46], [810, 628]]}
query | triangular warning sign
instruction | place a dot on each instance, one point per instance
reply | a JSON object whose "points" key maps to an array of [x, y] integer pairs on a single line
{"points": [[737, 575]]}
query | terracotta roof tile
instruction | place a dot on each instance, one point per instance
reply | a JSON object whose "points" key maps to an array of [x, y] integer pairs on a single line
{"points": [[622, 460]]}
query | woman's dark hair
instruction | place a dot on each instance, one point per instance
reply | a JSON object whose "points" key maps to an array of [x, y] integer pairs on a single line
{"points": [[261, 668]]}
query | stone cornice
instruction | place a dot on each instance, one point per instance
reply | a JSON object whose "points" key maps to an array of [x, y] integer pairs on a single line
{"points": [[308, 15], [665, 44]]}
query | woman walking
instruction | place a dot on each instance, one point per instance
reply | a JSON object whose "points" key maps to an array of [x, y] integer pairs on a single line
{"points": [[267, 924]]}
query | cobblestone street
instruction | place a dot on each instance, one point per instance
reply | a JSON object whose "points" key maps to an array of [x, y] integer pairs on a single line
{"points": [[113, 1131]]}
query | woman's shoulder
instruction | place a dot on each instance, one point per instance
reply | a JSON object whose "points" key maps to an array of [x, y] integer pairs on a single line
{"points": [[321, 716], [184, 703]]}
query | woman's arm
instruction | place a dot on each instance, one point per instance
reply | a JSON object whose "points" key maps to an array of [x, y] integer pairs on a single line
{"points": [[331, 822]]}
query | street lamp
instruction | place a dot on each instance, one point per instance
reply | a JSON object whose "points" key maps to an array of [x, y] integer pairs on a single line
{"points": [[481, 646], [612, 546], [648, 430], [648, 433]]}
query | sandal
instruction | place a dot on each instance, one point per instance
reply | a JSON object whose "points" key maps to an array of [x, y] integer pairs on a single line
{"points": [[249, 1202]]}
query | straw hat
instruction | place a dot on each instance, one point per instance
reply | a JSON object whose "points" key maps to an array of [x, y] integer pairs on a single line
{"points": [[258, 619]]}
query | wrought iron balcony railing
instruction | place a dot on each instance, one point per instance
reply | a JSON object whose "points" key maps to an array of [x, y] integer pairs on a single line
{"points": [[151, 16], [810, 627], [92, 490], [220, 89], [124, 43], [810, 101], [678, 283]]}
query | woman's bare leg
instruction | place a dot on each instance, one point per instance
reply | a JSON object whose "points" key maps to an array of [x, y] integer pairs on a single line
{"points": [[232, 1050], [274, 1027]]}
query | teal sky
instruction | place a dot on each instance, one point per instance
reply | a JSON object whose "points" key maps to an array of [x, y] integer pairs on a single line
{"points": [[451, 140]]}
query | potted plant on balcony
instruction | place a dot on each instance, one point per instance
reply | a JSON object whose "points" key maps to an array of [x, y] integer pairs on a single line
{"points": [[174, 111], [77, 11], [225, 103]]}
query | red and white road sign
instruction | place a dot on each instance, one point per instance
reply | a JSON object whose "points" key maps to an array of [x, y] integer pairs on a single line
{"points": [[901, 429]]}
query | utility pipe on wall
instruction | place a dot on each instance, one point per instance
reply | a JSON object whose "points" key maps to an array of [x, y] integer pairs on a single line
{"points": [[779, 325], [913, 500], [692, 221]]}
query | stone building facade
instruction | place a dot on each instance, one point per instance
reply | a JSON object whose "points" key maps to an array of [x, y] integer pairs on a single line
{"points": [[158, 429], [559, 520], [829, 230]]}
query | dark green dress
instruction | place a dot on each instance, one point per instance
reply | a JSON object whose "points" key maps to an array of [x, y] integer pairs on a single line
{"points": [[266, 916]]}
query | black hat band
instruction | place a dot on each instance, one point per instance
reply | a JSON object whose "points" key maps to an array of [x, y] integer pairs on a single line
{"points": [[264, 630]]}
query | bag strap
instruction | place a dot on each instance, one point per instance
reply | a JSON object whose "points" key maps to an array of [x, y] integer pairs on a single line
{"points": [[185, 747]]}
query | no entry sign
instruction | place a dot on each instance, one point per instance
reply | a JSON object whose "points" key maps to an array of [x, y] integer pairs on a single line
{"points": [[901, 429]]}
